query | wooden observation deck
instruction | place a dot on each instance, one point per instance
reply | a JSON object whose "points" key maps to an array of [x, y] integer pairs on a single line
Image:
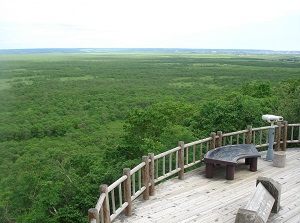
{"points": [[160, 189], [198, 199]]}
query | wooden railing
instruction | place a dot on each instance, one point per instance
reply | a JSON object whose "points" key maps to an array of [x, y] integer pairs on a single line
{"points": [[118, 197]]}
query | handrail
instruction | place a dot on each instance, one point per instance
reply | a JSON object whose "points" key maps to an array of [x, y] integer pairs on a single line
{"points": [[167, 153], [263, 128], [154, 169], [116, 183], [235, 133], [137, 168], [100, 202], [198, 142]]}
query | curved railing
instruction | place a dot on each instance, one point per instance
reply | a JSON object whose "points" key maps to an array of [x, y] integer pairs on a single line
{"points": [[118, 197]]}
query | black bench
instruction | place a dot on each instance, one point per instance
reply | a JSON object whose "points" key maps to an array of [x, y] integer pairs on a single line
{"points": [[229, 155]]}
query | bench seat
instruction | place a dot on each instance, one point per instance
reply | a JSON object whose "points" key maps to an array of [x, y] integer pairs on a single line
{"points": [[229, 156]]}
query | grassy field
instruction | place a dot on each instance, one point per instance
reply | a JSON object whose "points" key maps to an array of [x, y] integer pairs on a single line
{"points": [[204, 72]]}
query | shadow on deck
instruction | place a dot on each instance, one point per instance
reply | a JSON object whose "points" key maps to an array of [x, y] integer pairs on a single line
{"points": [[198, 199]]}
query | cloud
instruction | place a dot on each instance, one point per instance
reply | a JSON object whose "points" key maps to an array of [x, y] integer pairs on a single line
{"points": [[136, 23]]}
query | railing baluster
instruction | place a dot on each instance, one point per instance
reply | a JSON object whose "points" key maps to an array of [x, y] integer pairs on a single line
{"points": [[187, 156], [170, 162], [156, 168], [260, 138], [120, 195], [140, 179], [201, 152], [207, 146], [176, 162], [164, 165], [292, 133], [113, 201], [133, 183], [194, 153]]}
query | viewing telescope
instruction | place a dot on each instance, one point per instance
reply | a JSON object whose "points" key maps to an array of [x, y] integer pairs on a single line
{"points": [[272, 118]]}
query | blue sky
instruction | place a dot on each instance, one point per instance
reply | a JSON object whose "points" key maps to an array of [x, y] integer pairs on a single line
{"points": [[213, 24]]}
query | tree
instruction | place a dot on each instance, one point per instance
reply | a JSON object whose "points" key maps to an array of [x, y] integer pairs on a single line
{"points": [[257, 90], [156, 128], [288, 100], [230, 113]]}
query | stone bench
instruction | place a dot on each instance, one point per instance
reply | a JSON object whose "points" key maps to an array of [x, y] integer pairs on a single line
{"points": [[265, 200], [229, 155]]}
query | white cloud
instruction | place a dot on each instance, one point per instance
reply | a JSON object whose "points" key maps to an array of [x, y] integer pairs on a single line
{"points": [[129, 23]]}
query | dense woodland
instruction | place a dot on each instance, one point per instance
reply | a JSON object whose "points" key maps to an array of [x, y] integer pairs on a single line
{"points": [[70, 122]]}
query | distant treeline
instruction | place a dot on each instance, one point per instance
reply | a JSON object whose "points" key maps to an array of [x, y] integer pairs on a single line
{"points": [[144, 50]]}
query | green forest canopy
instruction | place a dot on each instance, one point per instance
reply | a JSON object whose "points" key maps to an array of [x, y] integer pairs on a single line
{"points": [[70, 122]]}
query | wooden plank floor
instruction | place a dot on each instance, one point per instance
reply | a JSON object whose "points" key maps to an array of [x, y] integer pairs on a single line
{"points": [[197, 199]]}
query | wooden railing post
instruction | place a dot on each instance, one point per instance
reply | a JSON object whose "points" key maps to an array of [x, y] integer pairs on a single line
{"points": [[181, 160], [106, 210], [145, 172], [219, 141], [249, 135], [278, 136], [213, 140], [127, 191], [284, 135], [151, 174], [93, 215]]}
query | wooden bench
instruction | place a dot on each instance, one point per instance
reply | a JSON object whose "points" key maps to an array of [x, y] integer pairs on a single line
{"points": [[229, 155], [265, 200]]}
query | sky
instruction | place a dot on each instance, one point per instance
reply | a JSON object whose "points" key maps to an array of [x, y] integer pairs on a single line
{"points": [[203, 24]]}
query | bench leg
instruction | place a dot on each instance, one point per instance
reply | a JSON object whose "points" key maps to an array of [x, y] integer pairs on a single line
{"points": [[209, 170], [253, 164], [230, 172], [247, 161]]}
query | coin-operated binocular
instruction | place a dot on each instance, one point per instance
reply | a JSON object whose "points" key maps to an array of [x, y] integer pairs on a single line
{"points": [[271, 119]]}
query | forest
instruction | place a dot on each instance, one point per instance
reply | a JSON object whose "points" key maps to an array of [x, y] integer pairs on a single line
{"points": [[71, 121]]}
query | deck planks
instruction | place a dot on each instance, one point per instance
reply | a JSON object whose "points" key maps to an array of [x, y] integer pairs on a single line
{"points": [[198, 199]]}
